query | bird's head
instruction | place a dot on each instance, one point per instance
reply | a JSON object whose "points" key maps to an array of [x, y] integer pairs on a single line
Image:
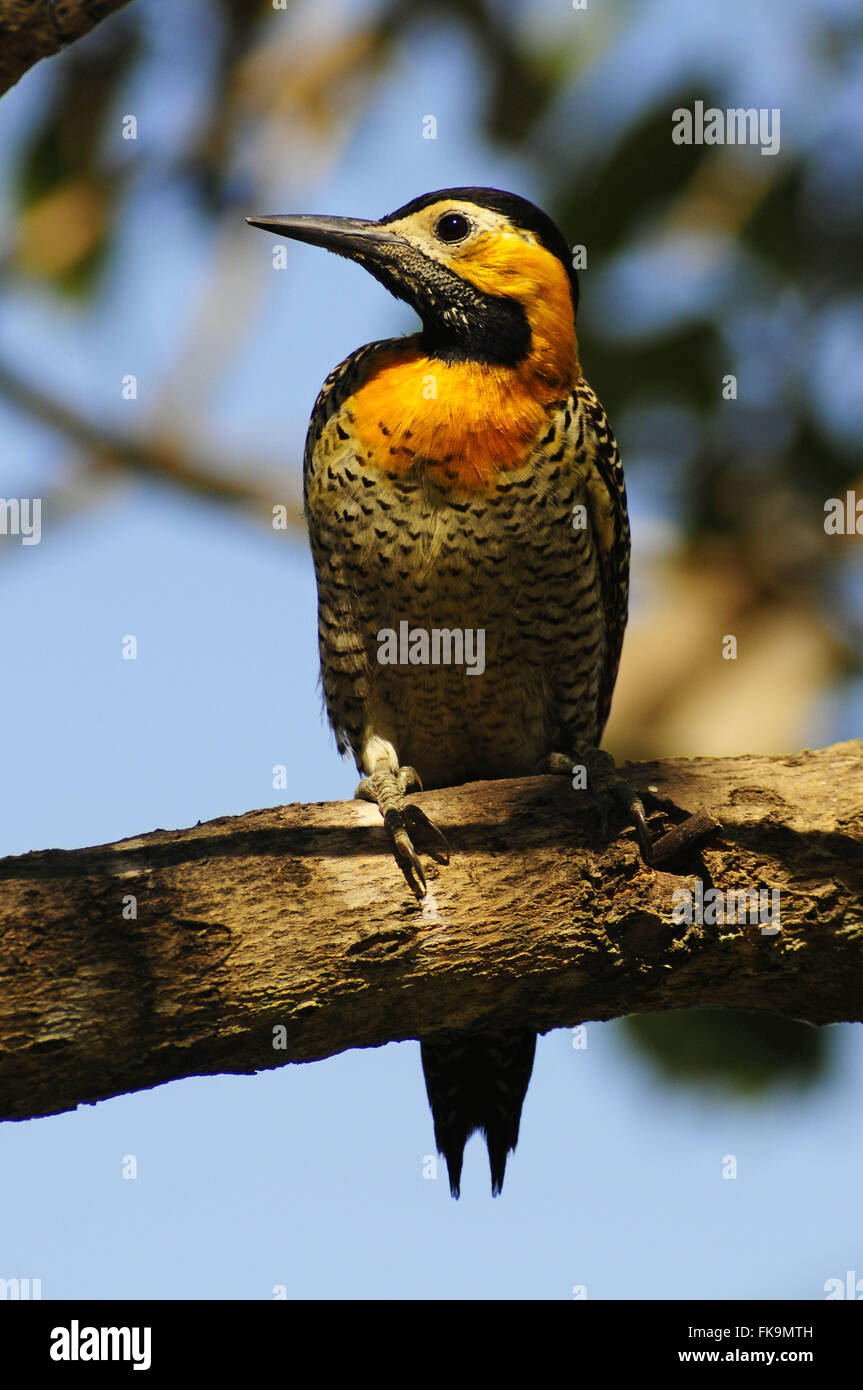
{"points": [[489, 274]]}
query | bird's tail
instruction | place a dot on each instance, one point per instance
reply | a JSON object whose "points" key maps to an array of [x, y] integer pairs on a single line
{"points": [[478, 1081]]}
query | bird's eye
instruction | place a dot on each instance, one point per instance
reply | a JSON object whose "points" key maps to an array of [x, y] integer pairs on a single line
{"points": [[453, 226]]}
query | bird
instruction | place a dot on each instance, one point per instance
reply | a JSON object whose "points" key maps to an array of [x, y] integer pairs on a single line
{"points": [[464, 480]]}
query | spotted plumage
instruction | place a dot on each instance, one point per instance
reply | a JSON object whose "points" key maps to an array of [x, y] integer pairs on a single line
{"points": [[544, 580], [465, 478]]}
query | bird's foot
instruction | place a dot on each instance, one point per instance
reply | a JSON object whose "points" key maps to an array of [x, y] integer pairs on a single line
{"points": [[405, 823], [606, 785]]}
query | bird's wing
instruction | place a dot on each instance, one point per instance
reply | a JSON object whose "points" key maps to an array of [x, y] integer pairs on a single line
{"points": [[340, 383], [330, 488], [606, 490]]}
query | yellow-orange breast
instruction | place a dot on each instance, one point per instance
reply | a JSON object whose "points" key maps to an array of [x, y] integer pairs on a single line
{"points": [[468, 421]]}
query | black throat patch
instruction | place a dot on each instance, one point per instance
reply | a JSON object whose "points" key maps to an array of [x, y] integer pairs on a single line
{"points": [[459, 321]]}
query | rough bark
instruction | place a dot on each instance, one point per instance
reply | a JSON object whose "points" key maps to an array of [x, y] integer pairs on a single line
{"points": [[35, 29], [297, 919]]}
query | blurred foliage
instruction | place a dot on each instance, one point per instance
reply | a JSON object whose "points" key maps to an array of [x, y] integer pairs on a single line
{"points": [[749, 486], [67, 193], [734, 1052]]}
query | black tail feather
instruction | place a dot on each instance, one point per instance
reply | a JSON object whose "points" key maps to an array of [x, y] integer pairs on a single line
{"points": [[478, 1081]]}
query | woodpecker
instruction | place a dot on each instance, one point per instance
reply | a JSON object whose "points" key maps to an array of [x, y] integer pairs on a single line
{"points": [[465, 479]]}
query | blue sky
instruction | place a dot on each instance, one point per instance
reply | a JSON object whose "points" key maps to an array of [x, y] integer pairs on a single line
{"points": [[312, 1176]]}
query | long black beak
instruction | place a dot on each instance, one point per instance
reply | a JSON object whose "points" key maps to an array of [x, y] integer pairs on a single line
{"points": [[348, 236]]}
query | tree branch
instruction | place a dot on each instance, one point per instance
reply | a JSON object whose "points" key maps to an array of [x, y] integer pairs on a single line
{"points": [[35, 29], [297, 919], [158, 458]]}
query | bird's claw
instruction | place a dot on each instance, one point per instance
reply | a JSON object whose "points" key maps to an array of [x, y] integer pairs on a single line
{"points": [[429, 836], [406, 856], [642, 830], [618, 789], [408, 780], [405, 823], [607, 786], [634, 806]]}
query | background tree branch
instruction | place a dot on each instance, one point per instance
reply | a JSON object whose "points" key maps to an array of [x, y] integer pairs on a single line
{"points": [[35, 29], [157, 457], [296, 918]]}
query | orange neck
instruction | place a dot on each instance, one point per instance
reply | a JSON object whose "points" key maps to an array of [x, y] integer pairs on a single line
{"points": [[468, 421]]}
